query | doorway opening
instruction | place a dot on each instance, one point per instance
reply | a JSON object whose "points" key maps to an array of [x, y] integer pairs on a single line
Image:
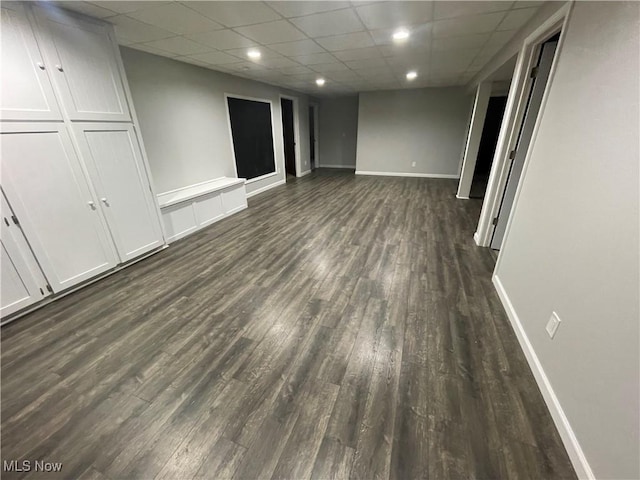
{"points": [[487, 147], [313, 136], [289, 137]]}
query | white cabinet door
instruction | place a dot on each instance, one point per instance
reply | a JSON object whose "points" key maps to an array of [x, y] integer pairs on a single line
{"points": [[21, 280], [84, 66], [48, 191], [112, 156], [26, 92]]}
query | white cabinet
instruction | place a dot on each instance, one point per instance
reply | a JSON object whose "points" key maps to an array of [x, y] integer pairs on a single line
{"points": [[21, 280], [112, 156], [49, 192], [26, 92], [82, 59]]}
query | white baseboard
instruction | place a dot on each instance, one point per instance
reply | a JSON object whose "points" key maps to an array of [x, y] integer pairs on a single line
{"points": [[349, 167], [307, 172], [397, 174], [576, 455], [268, 187], [476, 238], [461, 198]]}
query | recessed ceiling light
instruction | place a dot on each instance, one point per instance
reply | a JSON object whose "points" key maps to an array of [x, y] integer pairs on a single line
{"points": [[400, 35], [254, 54], [320, 82], [411, 75]]}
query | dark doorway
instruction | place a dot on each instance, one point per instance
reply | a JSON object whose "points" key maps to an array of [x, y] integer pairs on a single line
{"points": [[487, 148], [312, 136], [289, 137]]}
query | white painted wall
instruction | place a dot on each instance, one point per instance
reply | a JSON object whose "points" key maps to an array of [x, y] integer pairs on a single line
{"points": [[573, 242], [338, 130], [183, 118], [398, 127]]}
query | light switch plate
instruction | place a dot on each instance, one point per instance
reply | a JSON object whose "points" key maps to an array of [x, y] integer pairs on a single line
{"points": [[553, 324]]}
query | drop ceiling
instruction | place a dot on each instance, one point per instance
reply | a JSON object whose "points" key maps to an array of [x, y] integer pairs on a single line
{"points": [[349, 44]]}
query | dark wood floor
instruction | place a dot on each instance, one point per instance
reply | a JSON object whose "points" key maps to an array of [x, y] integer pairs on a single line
{"points": [[341, 327]]}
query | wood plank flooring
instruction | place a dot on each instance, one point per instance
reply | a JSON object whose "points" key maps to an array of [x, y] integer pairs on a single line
{"points": [[341, 327]]}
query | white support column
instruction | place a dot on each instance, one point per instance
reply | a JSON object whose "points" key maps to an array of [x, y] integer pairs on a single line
{"points": [[473, 140]]}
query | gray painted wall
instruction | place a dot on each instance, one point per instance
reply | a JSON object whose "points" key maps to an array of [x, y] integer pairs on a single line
{"points": [[338, 131], [573, 244], [426, 126], [183, 119]]}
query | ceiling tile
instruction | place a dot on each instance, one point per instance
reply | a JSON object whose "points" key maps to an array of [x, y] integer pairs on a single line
{"points": [[455, 43], [516, 19], [329, 23], [127, 7], [216, 58], [298, 9], [298, 70], [315, 59], [156, 51], [222, 39], [278, 62], [467, 25], [345, 76], [419, 35], [347, 41], [393, 50], [134, 31], [234, 14], [192, 61], [175, 18], [358, 54], [499, 39], [395, 14], [448, 9], [300, 47], [272, 32], [330, 67], [366, 63], [178, 46], [87, 8], [242, 53]]}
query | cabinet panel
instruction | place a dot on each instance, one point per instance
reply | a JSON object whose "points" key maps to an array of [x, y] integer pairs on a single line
{"points": [[26, 92], [85, 69], [49, 193], [112, 156], [21, 280], [208, 208]]}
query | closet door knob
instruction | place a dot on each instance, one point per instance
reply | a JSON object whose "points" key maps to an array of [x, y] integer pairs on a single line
{"points": [[91, 204], [59, 67], [105, 201], [40, 65]]}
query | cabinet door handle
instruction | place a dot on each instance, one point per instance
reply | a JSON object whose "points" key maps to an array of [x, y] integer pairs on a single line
{"points": [[91, 204], [105, 201], [40, 65], [59, 67]]}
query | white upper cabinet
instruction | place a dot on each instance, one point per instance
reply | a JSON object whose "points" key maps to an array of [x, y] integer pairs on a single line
{"points": [[83, 61], [49, 193], [26, 92], [21, 280], [112, 156]]}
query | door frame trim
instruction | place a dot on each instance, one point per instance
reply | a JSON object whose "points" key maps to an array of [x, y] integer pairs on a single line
{"points": [[512, 120], [296, 131], [316, 134]]}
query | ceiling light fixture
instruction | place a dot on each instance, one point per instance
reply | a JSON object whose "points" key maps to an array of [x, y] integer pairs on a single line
{"points": [[320, 82], [400, 35], [255, 54], [412, 75]]}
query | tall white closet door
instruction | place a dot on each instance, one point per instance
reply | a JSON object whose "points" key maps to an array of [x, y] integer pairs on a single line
{"points": [[112, 155], [48, 191], [26, 92], [21, 280], [85, 69]]}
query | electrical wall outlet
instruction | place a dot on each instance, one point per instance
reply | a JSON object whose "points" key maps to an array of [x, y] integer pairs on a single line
{"points": [[553, 324], [413, 164]]}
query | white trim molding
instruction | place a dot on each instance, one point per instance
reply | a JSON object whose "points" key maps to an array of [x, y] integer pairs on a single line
{"points": [[569, 439], [348, 167], [401, 174], [306, 172], [267, 187]]}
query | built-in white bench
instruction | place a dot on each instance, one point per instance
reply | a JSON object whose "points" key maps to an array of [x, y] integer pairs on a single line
{"points": [[188, 209]]}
